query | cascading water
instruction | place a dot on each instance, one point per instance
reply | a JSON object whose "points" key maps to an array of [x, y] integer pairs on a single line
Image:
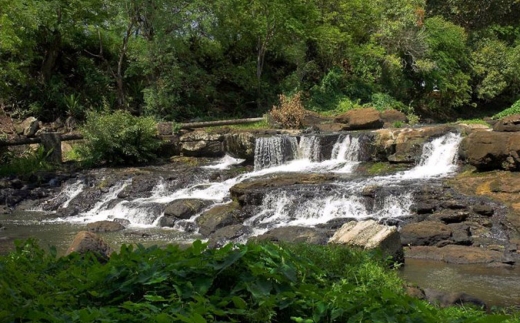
{"points": [[282, 155]]}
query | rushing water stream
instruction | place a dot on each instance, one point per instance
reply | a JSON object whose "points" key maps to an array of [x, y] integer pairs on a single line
{"points": [[303, 206]]}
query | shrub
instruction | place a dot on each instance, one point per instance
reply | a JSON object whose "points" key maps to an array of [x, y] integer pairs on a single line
{"points": [[514, 109], [118, 138], [237, 283], [290, 113], [26, 163]]}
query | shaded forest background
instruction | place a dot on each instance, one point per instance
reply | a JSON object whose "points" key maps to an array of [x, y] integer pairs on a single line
{"points": [[182, 60]]}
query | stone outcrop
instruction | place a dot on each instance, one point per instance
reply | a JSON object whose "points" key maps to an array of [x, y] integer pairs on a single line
{"points": [[28, 127], [182, 210], [202, 144], [426, 233], [357, 119], [405, 145], [105, 226], [218, 217], [444, 299], [508, 124], [456, 254], [490, 150], [370, 235], [240, 145], [227, 234], [86, 241]]}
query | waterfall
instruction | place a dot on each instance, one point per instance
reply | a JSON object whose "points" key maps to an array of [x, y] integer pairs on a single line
{"points": [[346, 149], [274, 151], [309, 148], [282, 154]]}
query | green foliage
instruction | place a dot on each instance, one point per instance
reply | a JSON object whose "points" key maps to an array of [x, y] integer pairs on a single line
{"points": [[514, 109], [383, 101], [237, 283], [118, 138], [26, 163]]}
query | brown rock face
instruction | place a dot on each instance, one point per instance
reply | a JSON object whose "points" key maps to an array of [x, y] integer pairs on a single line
{"points": [[508, 124], [218, 217], [89, 242], [358, 119], [455, 254], [426, 233], [492, 150]]}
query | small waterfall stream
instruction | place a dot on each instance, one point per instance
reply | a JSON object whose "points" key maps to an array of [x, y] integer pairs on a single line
{"points": [[279, 155]]}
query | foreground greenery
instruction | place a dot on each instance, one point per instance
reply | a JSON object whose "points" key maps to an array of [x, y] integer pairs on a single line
{"points": [[238, 283], [199, 59]]}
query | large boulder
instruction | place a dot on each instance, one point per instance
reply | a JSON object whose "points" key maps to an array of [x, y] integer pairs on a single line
{"points": [[294, 234], [444, 299], [508, 124], [105, 226], [28, 127], [240, 145], [202, 144], [218, 217], [227, 234], [182, 210], [426, 233], [357, 119], [490, 150], [90, 242], [370, 235]]}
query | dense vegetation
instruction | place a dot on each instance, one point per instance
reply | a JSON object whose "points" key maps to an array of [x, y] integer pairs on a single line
{"points": [[238, 283], [186, 59]]}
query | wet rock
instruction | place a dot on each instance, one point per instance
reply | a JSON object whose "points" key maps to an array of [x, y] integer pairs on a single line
{"points": [[228, 234], [240, 145], [294, 234], [483, 209], [4, 209], [444, 299], [489, 150], [426, 233], [123, 222], [461, 234], [454, 205], [90, 242], [455, 254], [405, 145], [449, 216], [252, 192], [182, 209], [371, 235], [508, 124], [357, 119], [218, 217], [415, 292], [17, 184], [424, 208], [105, 226], [335, 224]]}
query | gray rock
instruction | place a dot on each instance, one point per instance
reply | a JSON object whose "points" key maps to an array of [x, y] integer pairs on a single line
{"points": [[104, 226], [371, 235], [227, 234], [182, 210], [218, 217], [444, 299]]}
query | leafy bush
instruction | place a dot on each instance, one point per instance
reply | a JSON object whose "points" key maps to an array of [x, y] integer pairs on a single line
{"points": [[290, 113], [383, 101], [237, 283], [514, 109], [26, 163], [118, 138]]}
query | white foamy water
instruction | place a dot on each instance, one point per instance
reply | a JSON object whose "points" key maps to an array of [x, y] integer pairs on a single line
{"points": [[284, 155], [225, 163]]}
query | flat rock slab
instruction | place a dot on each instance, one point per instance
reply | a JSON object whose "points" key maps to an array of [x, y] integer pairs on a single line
{"points": [[426, 233], [294, 234], [370, 235], [455, 254]]}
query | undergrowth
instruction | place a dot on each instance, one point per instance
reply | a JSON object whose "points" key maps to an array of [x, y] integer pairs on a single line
{"points": [[514, 109], [25, 163], [237, 283]]}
